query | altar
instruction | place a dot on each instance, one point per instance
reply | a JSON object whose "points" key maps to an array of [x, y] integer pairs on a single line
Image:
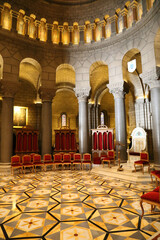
{"points": [[65, 140]]}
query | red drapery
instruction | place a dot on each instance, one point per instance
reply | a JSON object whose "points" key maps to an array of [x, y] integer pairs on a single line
{"points": [[67, 141], [110, 141], [35, 142], [100, 141], [105, 141], [25, 142], [95, 141], [73, 142], [30, 142], [57, 143], [19, 142], [62, 141]]}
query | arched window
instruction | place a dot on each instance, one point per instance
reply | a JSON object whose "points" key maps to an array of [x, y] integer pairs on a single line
{"points": [[102, 118], [64, 120]]}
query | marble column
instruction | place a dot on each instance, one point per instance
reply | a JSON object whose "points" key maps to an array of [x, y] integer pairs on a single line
{"points": [[8, 89], [90, 125], [83, 123], [155, 104], [97, 111], [46, 95], [120, 121]]}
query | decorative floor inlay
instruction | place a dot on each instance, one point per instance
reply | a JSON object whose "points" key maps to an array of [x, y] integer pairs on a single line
{"points": [[74, 205]]}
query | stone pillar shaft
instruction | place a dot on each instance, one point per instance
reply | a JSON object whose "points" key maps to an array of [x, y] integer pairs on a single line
{"points": [[155, 103], [83, 125], [7, 129], [46, 127]]}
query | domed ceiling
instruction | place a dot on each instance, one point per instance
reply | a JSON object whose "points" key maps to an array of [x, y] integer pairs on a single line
{"points": [[69, 2]]}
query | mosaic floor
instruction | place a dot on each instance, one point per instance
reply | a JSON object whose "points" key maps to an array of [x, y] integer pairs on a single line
{"points": [[70, 205]]}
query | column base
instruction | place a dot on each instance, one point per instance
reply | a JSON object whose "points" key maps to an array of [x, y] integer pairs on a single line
{"points": [[5, 169]]}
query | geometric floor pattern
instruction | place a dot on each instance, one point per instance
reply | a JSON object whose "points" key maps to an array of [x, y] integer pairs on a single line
{"points": [[74, 205]]}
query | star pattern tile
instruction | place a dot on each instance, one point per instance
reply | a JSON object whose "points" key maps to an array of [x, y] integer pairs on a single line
{"points": [[76, 205]]}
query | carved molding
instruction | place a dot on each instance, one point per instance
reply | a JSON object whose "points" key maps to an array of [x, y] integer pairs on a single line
{"points": [[46, 94], [152, 78], [82, 94], [117, 89], [9, 88]]}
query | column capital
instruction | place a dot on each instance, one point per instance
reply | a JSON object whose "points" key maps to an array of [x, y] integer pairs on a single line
{"points": [[82, 94], [151, 76], [117, 89], [46, 94], [9, 88]]}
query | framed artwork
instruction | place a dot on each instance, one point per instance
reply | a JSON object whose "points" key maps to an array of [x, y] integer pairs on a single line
{"points": [[20, 116]]}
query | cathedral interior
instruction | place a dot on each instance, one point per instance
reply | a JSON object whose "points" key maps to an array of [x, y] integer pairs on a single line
{"points": [[80, 76]]}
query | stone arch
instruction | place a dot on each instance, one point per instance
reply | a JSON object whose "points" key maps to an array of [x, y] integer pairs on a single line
{"points": [[65, 76], [30, 70], [98, 77]]}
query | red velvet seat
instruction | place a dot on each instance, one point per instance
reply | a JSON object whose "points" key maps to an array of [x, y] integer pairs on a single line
{"points": [[27, 163], [16, 163], [86, 160], [37, 161], [109, 158], [57, 160], [77, 160], [144, 161], [152, 198], [47, 159], [67, 159]]}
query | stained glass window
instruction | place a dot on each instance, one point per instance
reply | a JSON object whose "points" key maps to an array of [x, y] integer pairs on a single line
{"points": [[64, 119], [102, 118]]}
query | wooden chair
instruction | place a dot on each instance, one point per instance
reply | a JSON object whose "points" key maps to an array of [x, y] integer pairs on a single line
{"points": [[47, 160], [16, 163], [152, 198], [27, 163], [144, 161], [57, 160], [156, 174], [77, 160], [37, 161], [72, 156], [109, 158], [32, 154], [67, 159], [86, 160]]}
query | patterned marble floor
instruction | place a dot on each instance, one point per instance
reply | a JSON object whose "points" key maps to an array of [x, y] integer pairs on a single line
{"points": [[72, 205]]}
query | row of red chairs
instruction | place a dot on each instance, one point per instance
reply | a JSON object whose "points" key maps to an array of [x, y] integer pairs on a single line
{"points": [[47, 161]]}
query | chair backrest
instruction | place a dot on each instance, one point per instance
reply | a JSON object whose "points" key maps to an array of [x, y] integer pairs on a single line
{"points": [[87, 156], [15, 159], [77, 156], [111, 154], [72, 155], [144, 156], [47, 157], [61, 153], [57, 157], [26, 159], [36, 158], [66, 157], [32, 154]]}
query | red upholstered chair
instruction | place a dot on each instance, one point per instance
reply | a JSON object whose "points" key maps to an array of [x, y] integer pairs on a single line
{"points": [[57, 160], [109, 158], [27, 163], [96, 159], [77, 160], [144, 161], [37, 161], [16, 163], [86, 160], [47, 160], [32, 154], [66, 159], [152, 198], [72, 156]]}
